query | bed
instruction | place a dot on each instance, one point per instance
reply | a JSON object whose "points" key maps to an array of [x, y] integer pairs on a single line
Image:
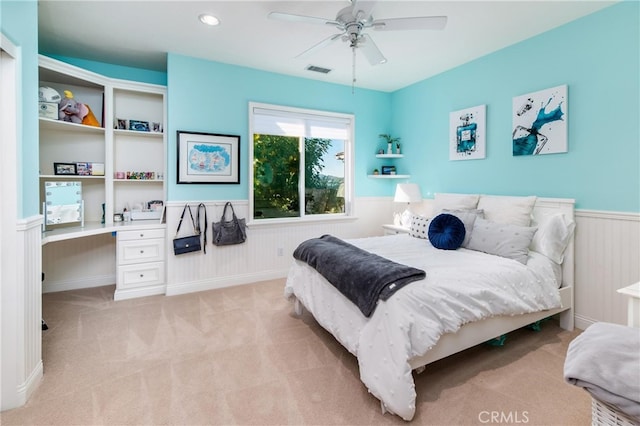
{"points": [[468, 296]]}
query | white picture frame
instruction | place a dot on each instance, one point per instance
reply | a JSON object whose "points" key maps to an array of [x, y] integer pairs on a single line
{"points": [[540, 122], [467, 133]]}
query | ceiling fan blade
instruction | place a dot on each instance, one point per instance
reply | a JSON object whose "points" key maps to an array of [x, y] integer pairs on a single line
{"points": [[324, 43], [281, 16], [361, 9], [415, 23], [370, 50]]}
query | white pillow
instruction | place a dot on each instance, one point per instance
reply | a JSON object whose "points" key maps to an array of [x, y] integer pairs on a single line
{"points": [[454, 202], [508, 210], [468, 218], [511, 241], [419, 227], [553, 236]]}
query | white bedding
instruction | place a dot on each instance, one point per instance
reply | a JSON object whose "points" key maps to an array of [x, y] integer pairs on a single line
{"points": [[461, 286]]}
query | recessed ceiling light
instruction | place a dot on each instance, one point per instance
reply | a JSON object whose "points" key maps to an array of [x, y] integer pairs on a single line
{"points": [[208, 19]]}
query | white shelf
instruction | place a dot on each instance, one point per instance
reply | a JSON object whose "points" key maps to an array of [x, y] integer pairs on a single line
{"points": [[389, 155], [65, 126], [389, 176], [138, 133], [139, 180], [70, 177]]}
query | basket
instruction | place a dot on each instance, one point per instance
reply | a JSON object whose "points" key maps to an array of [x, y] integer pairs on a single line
{"points": [[604, 415]]}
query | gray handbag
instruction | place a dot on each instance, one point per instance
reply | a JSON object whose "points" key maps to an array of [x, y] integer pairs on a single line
{"points": [[228, 232]]}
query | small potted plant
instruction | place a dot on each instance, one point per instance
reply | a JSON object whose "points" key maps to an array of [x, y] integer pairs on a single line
{"points": [[390, 141], [376, 172]]}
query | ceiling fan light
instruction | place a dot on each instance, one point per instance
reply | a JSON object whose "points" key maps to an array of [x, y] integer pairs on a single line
{"points": [[209, 19]]}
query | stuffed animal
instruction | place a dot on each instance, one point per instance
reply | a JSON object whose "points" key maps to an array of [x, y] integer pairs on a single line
{"points": [[69, 109], [75, 112]]}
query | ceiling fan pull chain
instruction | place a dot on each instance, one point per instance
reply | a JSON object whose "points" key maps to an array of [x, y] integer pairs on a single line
{"points": [[353, 81]]}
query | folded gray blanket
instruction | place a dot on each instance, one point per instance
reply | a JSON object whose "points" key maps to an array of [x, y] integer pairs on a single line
{"points": [[605, 361], [361, 276]]}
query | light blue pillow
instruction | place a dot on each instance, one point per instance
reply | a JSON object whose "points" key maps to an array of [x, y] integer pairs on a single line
{"points": [[510, 241]]}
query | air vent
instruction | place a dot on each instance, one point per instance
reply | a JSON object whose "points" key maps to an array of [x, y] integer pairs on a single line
{"points": [[318, 69]]}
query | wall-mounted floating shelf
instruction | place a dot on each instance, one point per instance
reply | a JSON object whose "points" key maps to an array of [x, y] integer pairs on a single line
{"points": [[389, 176], [389, 155]]}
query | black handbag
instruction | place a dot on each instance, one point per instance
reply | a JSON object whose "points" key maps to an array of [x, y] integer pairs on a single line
{"points": [[227, 232], [191, 243]]}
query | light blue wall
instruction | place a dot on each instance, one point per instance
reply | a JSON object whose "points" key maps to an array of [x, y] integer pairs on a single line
{"points": [[19, 23], [115, 71], [597, 57], [212, 97]]}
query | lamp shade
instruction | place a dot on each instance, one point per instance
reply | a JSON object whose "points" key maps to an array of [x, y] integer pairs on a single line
{"points": [[407, 193]]}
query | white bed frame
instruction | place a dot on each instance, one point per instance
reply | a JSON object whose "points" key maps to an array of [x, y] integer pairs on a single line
{"points": [[474, 333]]}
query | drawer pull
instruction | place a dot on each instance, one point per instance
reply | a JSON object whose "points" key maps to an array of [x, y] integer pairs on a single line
{"points": [[141, 235], [141, 251], [141, 275]]}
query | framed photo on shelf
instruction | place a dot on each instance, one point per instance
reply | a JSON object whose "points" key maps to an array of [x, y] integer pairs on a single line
{"points": [[121, 124], [65, 169], [139, 126], [208, 158]]}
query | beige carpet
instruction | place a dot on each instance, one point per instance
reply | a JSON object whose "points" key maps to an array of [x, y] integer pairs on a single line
{"points": [[238, 356]]}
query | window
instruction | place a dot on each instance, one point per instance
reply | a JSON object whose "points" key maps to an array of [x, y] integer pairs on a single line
{"points": [[301, 162]]}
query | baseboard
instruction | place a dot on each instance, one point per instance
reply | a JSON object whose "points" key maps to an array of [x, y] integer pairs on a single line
{"points": [[215, 283], [583, 322], [25, 390], [131, 293], [75, 284]]}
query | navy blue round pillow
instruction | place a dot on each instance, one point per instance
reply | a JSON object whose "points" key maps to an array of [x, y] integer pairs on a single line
{"points": [[446, 232]]}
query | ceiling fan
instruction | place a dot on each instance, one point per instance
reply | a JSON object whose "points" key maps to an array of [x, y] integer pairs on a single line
{"points": [[353, 20]]}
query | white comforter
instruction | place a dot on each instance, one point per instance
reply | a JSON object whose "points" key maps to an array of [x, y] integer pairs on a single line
{"points": [[461, 286]]}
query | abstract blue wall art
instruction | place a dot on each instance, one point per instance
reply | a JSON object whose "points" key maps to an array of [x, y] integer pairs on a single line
{"points": [[467, 133], [540, 122]]}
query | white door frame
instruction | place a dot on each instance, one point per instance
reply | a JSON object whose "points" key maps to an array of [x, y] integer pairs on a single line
{"points": [[9, 335]]}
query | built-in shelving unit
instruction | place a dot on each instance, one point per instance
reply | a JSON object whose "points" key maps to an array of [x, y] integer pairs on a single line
{"points": [[141, 153], [131, 168]]}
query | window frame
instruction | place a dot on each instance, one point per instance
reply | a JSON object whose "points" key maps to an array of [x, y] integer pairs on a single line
{"points": [[349, 165]]}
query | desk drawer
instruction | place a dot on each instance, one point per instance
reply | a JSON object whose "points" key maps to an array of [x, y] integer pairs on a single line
{"points": [[144, 274], [137, 251], [140, 234]]}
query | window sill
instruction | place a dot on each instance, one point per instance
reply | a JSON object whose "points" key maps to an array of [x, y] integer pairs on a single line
{"points": [[300, 221]]}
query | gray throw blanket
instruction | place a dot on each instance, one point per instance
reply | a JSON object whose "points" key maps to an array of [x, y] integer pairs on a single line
{"points": [[361, 276], [605, 361]]}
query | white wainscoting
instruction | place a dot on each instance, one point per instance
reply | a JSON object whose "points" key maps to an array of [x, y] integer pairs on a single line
{"points": [[267, 253], [607, 250], [607, 258], [28, 307]]}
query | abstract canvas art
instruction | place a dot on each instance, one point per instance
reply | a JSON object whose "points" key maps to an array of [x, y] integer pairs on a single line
{"points": [[540, 122], [467, 134]]}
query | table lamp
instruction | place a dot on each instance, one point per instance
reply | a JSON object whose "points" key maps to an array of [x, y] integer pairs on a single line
{"points": [[407, 193]]}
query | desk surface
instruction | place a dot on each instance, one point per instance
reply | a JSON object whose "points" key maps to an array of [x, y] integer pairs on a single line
{"points": [[96, 228]]}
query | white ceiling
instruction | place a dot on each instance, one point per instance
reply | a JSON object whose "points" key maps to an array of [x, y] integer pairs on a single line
{"points": [[140, 33]]}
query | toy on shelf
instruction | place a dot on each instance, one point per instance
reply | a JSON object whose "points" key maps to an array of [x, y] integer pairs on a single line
{"points": [[48, 100], [75, 112]]}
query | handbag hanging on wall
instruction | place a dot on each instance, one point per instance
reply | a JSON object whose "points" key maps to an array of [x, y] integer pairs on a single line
{"points": [[227, 232], [191, 243]]}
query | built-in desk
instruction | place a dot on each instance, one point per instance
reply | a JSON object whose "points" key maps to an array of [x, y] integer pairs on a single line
{"points": [[96, 228], [139, 258]]}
